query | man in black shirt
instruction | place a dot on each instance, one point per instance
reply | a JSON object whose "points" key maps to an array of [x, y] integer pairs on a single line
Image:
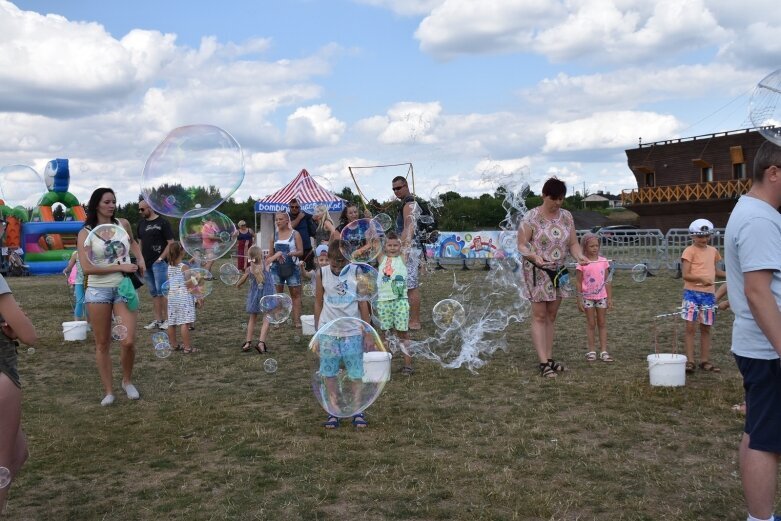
{"points": [[302, 223], [154, 235]]}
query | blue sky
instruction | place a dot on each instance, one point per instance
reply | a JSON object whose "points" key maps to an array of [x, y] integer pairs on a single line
{"points": [[472, 93]]}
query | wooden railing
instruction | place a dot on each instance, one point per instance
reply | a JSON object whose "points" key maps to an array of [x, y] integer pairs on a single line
{"points": [[692, 192]]}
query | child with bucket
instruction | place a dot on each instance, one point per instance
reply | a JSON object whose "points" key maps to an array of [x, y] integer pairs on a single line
{"points": [[699, 269]]}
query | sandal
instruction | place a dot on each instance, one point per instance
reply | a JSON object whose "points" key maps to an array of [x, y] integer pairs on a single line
{"points": [[407, 370], [259, 350], [178, 347], [689, 367], [359, 421], [188, 350], [546, 371], [605, 357], [556, 366], [331, 423], [708, 366], [246, 346], [591, 356]]}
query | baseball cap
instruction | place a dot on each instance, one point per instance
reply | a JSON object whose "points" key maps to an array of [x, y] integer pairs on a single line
{"points": [[322, 249], [701, 227]]}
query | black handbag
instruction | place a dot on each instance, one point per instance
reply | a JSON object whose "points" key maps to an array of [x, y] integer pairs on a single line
{"points": [[286, 269], [135, 279]]}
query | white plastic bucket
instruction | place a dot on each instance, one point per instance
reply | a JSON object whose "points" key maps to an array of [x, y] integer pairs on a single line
{"points": [[308, 324], [75, 330], [667, 370], [376, 366]]}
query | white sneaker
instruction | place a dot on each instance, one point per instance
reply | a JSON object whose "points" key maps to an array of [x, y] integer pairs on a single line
{"points": [[107, 400], [153, 324], [132, 392], [163, 325]]}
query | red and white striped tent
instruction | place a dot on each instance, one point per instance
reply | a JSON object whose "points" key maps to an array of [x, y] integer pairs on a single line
{"points": [[308, 193]]}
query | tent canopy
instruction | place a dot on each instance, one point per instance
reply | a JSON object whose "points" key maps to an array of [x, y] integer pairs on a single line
{"points": [[306, 190]]}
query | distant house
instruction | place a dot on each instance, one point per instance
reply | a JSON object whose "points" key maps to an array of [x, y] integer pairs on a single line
{"points": [[602, 200], [679, 180]]}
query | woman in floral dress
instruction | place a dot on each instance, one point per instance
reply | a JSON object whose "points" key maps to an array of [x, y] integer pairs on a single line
{"points": [[547, 235]]}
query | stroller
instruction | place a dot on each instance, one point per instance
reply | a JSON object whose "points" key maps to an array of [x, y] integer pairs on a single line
{"points": [[12, 264]]}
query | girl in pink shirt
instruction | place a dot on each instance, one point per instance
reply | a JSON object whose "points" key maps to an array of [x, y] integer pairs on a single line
{"points": [[595, 296]]}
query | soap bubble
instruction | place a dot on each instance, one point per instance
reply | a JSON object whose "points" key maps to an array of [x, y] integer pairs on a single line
{"points": [[270, 365], [159, 337], [765, 107], [206, 237], [108, 244], [198, 282], [163, 349], [309, 289], [384, 221], [30, 350], [276, 307], [448, 314], [118, 333], [362, 240], [205, 157], [439, 194], [165, 287], [351, 366], [20, 185], [639, 272], [229, 274], [5, 477], [365, 285]]}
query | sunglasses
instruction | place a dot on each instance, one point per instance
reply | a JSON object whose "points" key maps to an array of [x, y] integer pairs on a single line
{"points": [[397, 188]]}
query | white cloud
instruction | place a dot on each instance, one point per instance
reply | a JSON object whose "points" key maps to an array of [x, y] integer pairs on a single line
{"points": [[605, 130], [404, 7], [405, 123], [313, 126]]}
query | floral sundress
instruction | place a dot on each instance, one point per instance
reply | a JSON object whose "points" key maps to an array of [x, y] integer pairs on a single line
{"points": [[550, 240]]}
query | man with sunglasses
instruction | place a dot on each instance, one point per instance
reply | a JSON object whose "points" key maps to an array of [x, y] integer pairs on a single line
{"points": [[406, 226], [302, 223], [154, 235]]}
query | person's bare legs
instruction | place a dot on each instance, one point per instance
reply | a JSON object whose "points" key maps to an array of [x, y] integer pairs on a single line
{"points": [[295, 296], [543, 318], [251, 327], [413, 296], [13, 444], [688, 340], [759, 474], [184, 329], [100, 320], [591, 323], [602, 325], [705, 343], [552, 309], [161, 308], [128, 344]]}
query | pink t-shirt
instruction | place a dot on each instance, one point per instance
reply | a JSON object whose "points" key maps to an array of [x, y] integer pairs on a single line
{"points": [[593, 279], [703, 264]]}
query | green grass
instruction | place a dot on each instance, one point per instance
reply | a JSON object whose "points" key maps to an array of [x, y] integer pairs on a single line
{"points": [[215, 437]]}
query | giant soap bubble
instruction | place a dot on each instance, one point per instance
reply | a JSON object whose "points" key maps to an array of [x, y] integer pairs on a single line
{"points": [[362, 240], [20, 185], [206, 237], [108, 244], [196, 167], [765, 107], [448, 313], [276, 307], [351, 366], [229, 274], [198, 282], [366, 284]]}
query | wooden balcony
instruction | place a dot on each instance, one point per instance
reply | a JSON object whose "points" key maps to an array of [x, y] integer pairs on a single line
{"points": [[686, 193]]}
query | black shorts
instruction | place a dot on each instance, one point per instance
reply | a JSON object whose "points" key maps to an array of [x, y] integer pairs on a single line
{"points": [[8, 359], [762, 383]]}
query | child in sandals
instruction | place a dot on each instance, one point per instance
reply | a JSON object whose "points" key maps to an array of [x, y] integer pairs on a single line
{"points": [[595, 296], [392, 303], [181, 303], [261, 284], [699, 267]]}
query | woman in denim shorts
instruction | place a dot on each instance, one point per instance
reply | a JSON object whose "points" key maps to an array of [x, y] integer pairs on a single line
{"points": [[285, 248], [104, 275], [14, 325]]}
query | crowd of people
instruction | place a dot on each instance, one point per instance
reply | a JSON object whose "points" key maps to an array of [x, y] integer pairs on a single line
{"points": [[305, 245]]}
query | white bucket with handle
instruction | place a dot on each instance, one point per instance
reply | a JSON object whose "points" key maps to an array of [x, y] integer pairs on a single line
{"points": [[74, 331], [667, 370], [308, 324], [376, 366]]}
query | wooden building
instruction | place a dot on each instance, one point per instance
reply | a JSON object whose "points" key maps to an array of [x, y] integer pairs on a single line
{"points": [[680, 180]]}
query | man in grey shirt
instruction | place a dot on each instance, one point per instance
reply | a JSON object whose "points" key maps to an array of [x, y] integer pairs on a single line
{"points": [[752, 252]]}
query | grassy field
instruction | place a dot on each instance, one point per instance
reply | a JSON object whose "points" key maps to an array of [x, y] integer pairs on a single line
{"points": [[216, 437]]}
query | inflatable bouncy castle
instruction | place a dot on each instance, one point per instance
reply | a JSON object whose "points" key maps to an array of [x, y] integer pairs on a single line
{"points": [[49, 244]]}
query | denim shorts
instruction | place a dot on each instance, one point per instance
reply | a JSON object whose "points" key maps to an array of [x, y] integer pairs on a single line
{"points": [[292, 281], [155, 276], [103, 296], [762, 383], [8, 359]]}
